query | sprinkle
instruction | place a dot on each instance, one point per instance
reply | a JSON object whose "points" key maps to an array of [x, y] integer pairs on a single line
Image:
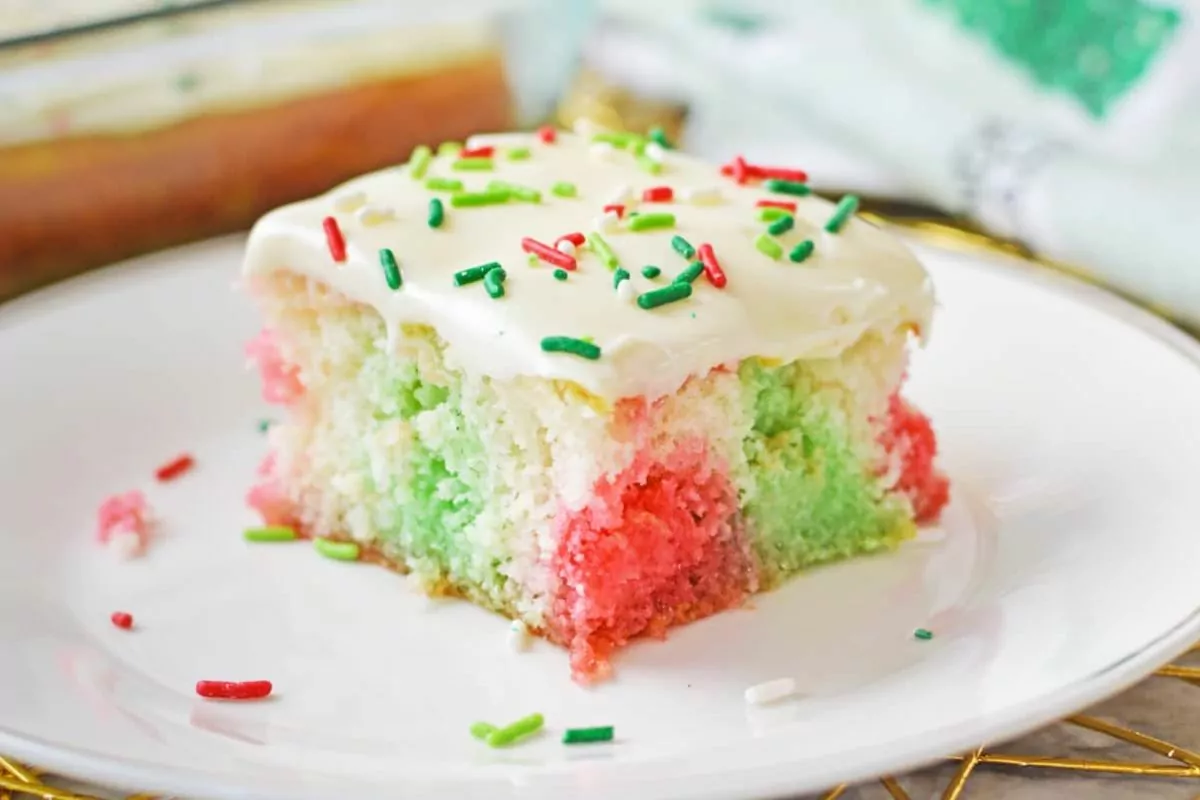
{"points": [[619, 196], [683, 247], [482, 730], [349, 201], [649, 164], [619, 277], [270, 533], [547, 134], [576, 238], [560, 274], [516, 730], [712, 267], [517, 154], [626, 292], [802, 251], [651, 271], [587, 735], [740, 171], [645, 222], [473, 164], [493, 282], [333, 238], [486, 151], [522, 193], [173, 469], [563, 189], [437, 212], [444, 185], [489, 198], [788, 187], [772, 214], [768, 246], [565, 246], [391, 270], [667, 294], [845, 209], [781, 225], [418, 164], [547, 253], [518, 636], [122, 619], [771, 691], [702, 197], [601, 248], [228, 690], [374, 215], [786, 205], [472, 274], [602, 151], [449, 148], [659, 137], [690, 273], [567, 344], [619, 139], [658, 194], [606, 221], [264, 425], [923, 634], [736, 169], [126, 544], [655, 151], [338, 551]]}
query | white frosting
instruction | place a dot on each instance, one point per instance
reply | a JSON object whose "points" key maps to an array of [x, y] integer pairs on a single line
{"points": [[856, 280]]}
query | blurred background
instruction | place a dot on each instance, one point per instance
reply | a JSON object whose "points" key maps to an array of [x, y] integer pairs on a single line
{"points": [[1071, 127]]}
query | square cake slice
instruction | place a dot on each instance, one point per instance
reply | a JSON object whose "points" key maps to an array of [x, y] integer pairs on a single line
{"points": [[588, 382]]}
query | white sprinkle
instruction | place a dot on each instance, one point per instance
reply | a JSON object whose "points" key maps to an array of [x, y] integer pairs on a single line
{"points": [[518, 637], [655, 151], [602, 151], [566, 246], [619, 196], [126, 545], [626, 292], [701, 197], [771, 691], [349, 201], [607, 221], [374, 215]]}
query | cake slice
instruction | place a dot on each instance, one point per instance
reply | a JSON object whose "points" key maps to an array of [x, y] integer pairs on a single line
{"points": [[588, 382]]}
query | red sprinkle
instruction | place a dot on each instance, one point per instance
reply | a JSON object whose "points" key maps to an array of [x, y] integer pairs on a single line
{"points": [[333, 237], [712, 269], [487, 151], [547, 134], [787, 205], [617, 207], [547, 253], [173, 469], [739, 170], [122, 619], [233, 690], [576, 239], [658, 194]]}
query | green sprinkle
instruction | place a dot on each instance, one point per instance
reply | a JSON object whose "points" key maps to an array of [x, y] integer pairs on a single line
{"points": [[690, 274], [923, 634], [489, 198], [683, 247], [560, 274], [444, 185], [645, 222], [648, 164], [449, 148], [482, 730], [264, 425], [391, 270], [667, 294], [493, 282], [523, 193], [657, 134], [472, 165], [567, 344], [618, 276], [517, 154], [516, 730], [788, 187], [472, 274], [585, 735], [601, 248], [651, 271], [781, 225], [338, 551], [845, 209], [617, 138], [437, 212], [270, 533], [418, 164], [802, 251], [770, 214], [563, 189], [768, 246]]}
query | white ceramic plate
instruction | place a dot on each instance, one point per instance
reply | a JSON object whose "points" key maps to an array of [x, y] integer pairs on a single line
{"points": [[1064, 571]]}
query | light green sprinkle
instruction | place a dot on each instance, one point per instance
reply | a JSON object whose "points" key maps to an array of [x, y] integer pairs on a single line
{"points": [[418, 164], [618, 276], [646, 222], [618, 139], [270, 533], [657, 134], [788, 187], [923, 634], [781, 225], [667, 294], [690, 273], [768, 246], [560, 274], [600, 247], [802, 251], [648, 164], [449, 148], [493, 282], [472, 164], [516, 730], [522, 193], [517, 154], [482, 730], [683, 247], [391, 270], [651, 271], [770, 214], [338, 551], [844, 211], [472, 274], [444, 185], [489, 198], [568, 344], [563, 189], [437, 213], [264, 425]]}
